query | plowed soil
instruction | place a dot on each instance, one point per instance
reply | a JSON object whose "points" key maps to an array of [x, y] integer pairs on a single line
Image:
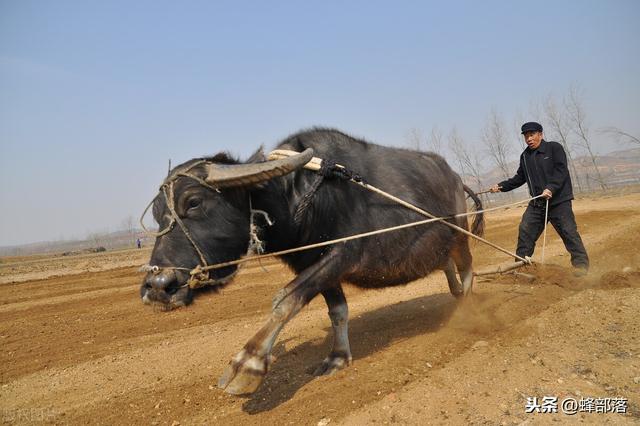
{"points": [[79, 347]]}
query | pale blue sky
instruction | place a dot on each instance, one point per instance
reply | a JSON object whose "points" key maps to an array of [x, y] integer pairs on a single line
{"points": [[96, 96]]}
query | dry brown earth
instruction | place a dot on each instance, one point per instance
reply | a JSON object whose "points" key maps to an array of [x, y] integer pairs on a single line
{"points": [[78, 347]]}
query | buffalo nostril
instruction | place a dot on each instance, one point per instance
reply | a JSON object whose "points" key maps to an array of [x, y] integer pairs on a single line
{"points": [[159, 282], [162, 281]]}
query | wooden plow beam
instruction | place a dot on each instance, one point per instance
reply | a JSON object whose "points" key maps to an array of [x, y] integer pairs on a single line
{"points": [[506, 268]]}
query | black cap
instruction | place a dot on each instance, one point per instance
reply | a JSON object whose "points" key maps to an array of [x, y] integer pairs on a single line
{"points": [[531, 126]]}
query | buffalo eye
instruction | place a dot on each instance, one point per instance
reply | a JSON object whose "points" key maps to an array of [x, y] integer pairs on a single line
{"points": [[194, 203]]}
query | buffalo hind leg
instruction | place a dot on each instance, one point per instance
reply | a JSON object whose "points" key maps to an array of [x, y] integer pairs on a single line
{"points": [[455, 287], [340, 355], [462, 258], [246, 370]]}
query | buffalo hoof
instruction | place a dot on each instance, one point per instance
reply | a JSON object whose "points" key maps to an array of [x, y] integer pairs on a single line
{"points": [[331, 364], [461, 290], [244, 374], [456, 291]]}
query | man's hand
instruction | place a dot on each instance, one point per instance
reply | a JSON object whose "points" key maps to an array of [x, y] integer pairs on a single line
{"points": [[547, 194], [495, 188]]}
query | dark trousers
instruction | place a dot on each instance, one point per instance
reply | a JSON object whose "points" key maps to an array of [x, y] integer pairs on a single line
{"points": [[562, 218]]}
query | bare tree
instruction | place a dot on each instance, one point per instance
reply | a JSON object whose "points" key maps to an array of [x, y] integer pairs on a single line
{"points": [[420, 142], [129, 225], [467, 159], [577, 117], [558, 122], [416, 139], [496, 143], [458, 155], [435, 141], [588, 178], [620, 136], [517, 124]]}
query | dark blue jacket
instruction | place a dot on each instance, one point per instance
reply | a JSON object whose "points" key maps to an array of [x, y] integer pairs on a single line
{"points": [[543, 168]]}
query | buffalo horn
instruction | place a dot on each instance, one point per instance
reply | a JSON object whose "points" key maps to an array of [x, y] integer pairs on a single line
{"points": [[228, 175]]}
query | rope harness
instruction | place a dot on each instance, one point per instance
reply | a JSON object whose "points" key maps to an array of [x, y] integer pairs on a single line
{"points": [[199, 276], [327, 169]]}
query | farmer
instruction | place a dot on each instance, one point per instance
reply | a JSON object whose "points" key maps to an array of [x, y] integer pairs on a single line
{"points": [[543, 166]]}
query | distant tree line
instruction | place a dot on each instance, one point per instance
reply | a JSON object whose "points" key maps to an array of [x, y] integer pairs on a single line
{"points": [[564, 119]]}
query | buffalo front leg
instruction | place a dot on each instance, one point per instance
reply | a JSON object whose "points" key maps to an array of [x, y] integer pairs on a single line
{"points": [[340, 355], [246, 370]]}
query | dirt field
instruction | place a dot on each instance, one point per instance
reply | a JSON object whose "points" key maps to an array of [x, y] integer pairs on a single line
{"points": [[79, 346]]}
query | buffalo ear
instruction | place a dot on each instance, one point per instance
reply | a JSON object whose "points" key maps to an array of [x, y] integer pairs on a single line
{"points": [[258, 156]]}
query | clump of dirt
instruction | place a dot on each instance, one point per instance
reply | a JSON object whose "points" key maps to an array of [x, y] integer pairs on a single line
{"points": [[560, 276], [614, 280], [551, 274]]}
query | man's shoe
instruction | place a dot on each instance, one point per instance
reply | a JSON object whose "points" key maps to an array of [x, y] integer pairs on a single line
{"points": [[580, 271]]}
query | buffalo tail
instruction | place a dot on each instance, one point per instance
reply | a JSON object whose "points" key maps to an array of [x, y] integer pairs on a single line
{"points": [[478, 222]]}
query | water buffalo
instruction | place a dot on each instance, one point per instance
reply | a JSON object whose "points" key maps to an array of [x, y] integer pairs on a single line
{"points": [[207, 210]]}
